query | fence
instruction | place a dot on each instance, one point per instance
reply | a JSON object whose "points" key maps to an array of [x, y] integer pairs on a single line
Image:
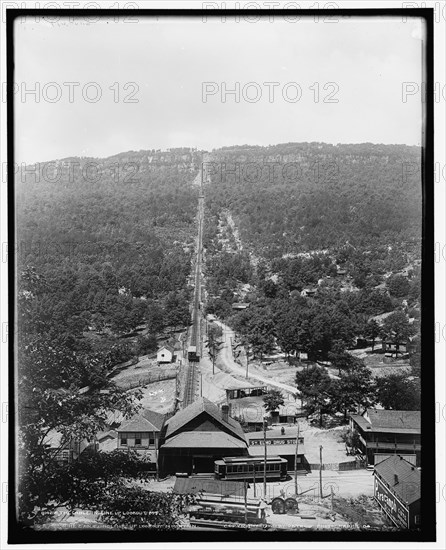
{"points": [[339, 466], [142, 379]]}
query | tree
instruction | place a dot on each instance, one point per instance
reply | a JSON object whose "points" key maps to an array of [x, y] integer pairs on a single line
{"points": [[272, 400], [397, 392], [314, 385], [398, 286], [351, 438], [51, 378], [177, 310], [415, 359], [218, 307], [214, 342], [372, 331], [396, 328], [146, 344], [355, 389], [341, 359], [99, 482], [155, 318], [256, 327]]}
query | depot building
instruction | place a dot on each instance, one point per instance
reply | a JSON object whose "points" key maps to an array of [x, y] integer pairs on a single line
{"points": [[198, 435]]}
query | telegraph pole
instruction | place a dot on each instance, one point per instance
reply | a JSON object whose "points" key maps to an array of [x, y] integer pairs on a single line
{"points": [[266, 456], [295, 458], [245, 490], [320, 471]]}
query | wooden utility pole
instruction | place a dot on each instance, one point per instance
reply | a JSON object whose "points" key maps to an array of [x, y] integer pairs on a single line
{"points": [[295, 458], [266, 457], [156, 456], [254, 478], [245, 489], [320, 471]]}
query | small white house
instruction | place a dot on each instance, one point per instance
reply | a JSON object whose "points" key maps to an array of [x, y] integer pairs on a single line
{"points": [[165, 354]]}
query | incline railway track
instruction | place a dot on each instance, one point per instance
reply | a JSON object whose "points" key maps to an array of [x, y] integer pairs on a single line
{"points": [[194, 348]]}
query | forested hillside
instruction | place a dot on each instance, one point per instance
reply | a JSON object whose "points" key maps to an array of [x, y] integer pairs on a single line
{"points": [[290, 198], [104, 244], [320, 239]]}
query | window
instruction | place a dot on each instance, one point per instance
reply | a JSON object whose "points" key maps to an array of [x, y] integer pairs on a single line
{"points": [[65, 457], [137, 438], [151, 438], [417, 519], [123, 439]]}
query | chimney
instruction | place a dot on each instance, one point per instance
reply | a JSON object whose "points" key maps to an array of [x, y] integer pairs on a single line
{"points": [[225, 412], [395, 479]]}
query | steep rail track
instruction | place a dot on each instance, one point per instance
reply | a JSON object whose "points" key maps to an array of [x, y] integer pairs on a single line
{"points": [[195, 340]]}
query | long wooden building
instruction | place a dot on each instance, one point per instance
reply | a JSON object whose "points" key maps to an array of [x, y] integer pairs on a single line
{"points": [[197, 436]]}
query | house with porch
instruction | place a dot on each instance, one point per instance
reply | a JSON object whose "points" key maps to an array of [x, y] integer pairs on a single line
{"points": [[383, 433]]}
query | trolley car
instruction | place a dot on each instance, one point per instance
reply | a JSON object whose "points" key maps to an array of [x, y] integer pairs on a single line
{"points": [[246, 468]]}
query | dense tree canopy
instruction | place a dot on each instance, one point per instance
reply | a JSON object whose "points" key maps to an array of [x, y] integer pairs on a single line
{"points": [[398, 392]]}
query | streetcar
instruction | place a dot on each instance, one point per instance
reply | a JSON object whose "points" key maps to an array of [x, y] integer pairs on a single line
{"points": [[248, 468]]}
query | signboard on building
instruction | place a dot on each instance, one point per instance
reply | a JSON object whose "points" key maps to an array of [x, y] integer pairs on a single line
{"points": [[393, 507], [277, 441]]}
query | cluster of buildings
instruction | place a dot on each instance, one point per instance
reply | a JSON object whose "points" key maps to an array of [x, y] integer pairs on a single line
{"points": [[190, 442]]}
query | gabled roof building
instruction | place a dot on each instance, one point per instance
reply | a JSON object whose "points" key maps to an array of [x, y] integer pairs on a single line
{"points": [[397, 489], [197, 436], [142, 434]]}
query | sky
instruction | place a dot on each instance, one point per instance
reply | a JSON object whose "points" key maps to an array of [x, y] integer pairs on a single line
{"points": [[157, 84]]}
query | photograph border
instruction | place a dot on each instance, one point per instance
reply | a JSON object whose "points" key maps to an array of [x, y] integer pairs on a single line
{"points": [[427, 533]]}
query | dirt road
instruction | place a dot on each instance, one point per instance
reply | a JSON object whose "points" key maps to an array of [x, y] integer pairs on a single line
{"points": [[226, 358]]}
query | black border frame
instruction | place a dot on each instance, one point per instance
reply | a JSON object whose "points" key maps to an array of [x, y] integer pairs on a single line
{"points": [[427, 533]]}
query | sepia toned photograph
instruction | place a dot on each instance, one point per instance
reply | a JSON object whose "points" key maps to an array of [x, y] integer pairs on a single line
{"points": [[221, 275]]}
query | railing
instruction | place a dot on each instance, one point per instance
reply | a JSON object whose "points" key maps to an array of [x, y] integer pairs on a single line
{"points": [[393, 446]]}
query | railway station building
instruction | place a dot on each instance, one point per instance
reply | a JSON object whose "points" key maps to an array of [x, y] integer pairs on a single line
{"points": [[198, 435]]}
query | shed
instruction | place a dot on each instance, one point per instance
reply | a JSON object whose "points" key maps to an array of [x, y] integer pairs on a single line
{"points": [[240, 305], [165, 354]]}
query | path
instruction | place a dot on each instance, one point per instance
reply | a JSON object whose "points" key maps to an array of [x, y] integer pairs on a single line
{"points": [[227, 358]]}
